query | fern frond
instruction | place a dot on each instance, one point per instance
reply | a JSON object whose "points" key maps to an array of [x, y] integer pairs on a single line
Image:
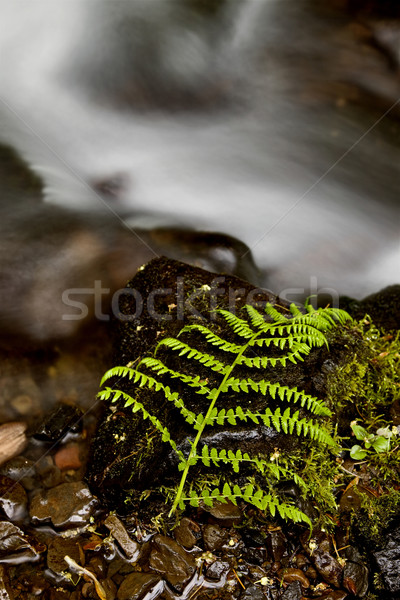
{"points": [[208, 360], [138, 406], [291, 338], [161, 369], [212, 338], [239, 326], [262, 501]]}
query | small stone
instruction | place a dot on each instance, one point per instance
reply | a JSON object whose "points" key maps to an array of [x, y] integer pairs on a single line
{"points": [[226, 513], [20, 469], [187, 533], [276, 545], [68, 457], [293, 591], [328, 567], [68, 505], [26, 406], [63, 419], [355, 573], [217, 570], [12, 440], [214, 537], [252, 593], [388, 561], [13, 499], [172, 561], [290, 575], [60, 547], [301, 561], [129, 546], [136, 585], [15, 547]]}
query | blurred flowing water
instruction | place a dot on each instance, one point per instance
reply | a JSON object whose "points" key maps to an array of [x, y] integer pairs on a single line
{"points": [[261, 119]]}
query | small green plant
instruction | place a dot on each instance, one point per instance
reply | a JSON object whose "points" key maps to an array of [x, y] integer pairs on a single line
{"points": [[378, 442], [287, 339]]}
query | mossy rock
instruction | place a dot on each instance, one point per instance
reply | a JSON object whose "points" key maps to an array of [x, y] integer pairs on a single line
{"points": [[129, 460]]}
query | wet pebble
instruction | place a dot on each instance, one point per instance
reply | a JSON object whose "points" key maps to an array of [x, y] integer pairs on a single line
{"points": [[60, 547], [187, 533], [293, 591], [214, 537], [22, 470], [217, 570], [355, 573], [13, 499], [26, 406], [13, 440], [136, 585], [276, 544], [388, 561], [290, 575], [68, 505], [62, 420], [172, 561], [318, 551], [253, 592], [226, 514], [15, 546], [68, 457], [130, 547]]}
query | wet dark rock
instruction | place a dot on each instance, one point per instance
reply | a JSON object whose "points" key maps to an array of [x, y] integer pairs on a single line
{"points": [[355, 573], [214, 537], [318, 550], [172, 561], [12, 440], [13, 499], [136, 585], [63, 419], [293, 591], [292, 575], [60, 547], [225, 514], [129, 546], [6, 592], [20, 469], [15, 545], [388, 561], [68, 505], [328, 567], [255, 556], [187, 533], [217, 570], [383, 307], [276, 545], [252, 593]]}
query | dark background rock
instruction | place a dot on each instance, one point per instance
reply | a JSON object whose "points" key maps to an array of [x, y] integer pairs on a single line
{"points": [[388, 561]]}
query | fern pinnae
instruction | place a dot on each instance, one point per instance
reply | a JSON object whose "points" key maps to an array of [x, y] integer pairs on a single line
{"points": [[291, 337]]}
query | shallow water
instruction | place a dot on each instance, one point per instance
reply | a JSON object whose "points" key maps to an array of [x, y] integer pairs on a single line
{"points": [[263, 120]]}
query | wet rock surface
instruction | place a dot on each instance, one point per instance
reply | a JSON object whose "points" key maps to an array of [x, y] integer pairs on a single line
{"points": [[223, 552], [66, 505], [388, 560]]}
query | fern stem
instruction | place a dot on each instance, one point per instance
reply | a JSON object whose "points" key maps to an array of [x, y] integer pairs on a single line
{"points": [[193, 450]]}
